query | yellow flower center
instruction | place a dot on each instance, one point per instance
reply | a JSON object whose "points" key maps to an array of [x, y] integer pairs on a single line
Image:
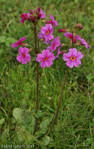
{"points": [[47, 32], [72, 58], [45, 59]]}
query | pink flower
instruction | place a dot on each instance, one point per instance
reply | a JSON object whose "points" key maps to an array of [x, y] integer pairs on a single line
{"points": [[42, 36], [45, 58], [54, 44], [47, 31], [83, 42], [23, 56], [24, 17], [19, 42], [73, 58], [70, 35], [52, 21], [42, 14]]}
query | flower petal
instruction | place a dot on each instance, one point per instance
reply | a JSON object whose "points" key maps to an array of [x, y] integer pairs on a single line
{"points": [[48, 63], [39, 57], [28, 57], [22, 20], [51, 16], [24, 61], [69, 63], [46, 53], [25, 50], [68, 35], [16, 44], [43, 64], [20, 50], [73, 51], [79, 55], [51, 56], [22, 39], [66, 56], [77, 63], [19, 58], [49, 48]]}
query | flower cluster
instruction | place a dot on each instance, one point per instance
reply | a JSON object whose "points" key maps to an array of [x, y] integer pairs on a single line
{"points": [[72, 57], [33, 15], [52, 52]]}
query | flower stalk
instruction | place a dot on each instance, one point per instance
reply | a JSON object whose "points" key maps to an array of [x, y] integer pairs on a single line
{"points": [[37, 78], [58, 106]]}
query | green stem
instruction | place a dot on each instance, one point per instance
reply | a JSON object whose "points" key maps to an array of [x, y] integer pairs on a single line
{"points": [[72, 39], [37, 79], [55, 117]]}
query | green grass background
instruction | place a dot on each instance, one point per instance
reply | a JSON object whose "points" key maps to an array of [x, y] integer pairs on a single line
{"points": [[75, 124]]}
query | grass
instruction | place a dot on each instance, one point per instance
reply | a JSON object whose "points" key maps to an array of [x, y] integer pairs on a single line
{"points": [[75, 124]]}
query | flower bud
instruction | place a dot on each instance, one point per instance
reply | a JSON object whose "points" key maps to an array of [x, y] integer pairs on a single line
{"points": [[31, 12], [78, 26], [38, 9], [33, 19], [63, 30], [62, 52], [48, 21], [39, 16]]}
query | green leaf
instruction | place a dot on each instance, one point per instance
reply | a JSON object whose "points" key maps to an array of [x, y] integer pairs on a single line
{"points": [[2, 121], [44, 124], [24, 135], [25, 118], [41, 132], [39, 113], [2, 39], [17, 114], [46, 140]]}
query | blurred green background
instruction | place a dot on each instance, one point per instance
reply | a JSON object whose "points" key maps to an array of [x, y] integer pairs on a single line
{"points": [[75, 125]]}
